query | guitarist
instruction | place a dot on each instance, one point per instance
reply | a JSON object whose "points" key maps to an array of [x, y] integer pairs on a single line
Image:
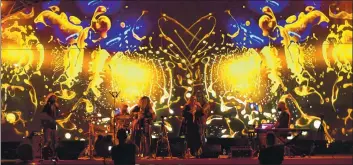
{"points": [[50, 111]]}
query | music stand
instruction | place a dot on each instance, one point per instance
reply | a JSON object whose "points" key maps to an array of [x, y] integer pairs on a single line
{"points": [[321, 133], [115, 95]]}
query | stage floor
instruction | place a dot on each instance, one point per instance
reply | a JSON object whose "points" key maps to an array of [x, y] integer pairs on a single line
{"points": [[336, 159]]}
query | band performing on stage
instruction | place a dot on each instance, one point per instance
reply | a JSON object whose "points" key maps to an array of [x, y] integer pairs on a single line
{"points": [[137, 122]]}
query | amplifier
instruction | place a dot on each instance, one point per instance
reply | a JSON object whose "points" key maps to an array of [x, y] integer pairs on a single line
{"points": [[241, 151]]}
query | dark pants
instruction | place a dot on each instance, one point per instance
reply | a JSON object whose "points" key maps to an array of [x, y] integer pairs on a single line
{"points": [[193, 137]]}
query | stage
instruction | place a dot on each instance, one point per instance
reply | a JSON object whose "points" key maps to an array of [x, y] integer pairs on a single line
{"points": [[325, 159]]}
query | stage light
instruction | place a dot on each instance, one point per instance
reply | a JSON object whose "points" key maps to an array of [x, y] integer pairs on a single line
{"points": [[290, 137], [273, 110], [99, 115], [171, 111], [11, 118], [243, 112], [106, 119], [304, 133], [317, 124], [224, 136], [67, 135], [266, 114], [82, 139], [188, 95]]}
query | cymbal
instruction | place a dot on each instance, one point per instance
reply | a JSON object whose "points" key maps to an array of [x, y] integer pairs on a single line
{"points": [[96, 117], [123, 117]]}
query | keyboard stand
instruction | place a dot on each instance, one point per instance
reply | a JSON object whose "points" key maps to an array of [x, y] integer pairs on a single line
{"points": [[291, 147]]}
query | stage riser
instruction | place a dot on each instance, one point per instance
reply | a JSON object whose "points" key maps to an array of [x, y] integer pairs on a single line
{"points": [[71, 149]]}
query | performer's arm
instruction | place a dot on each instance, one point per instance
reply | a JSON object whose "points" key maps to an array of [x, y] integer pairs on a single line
{"points": [[186, 111], [278, 120], [154, 116]]}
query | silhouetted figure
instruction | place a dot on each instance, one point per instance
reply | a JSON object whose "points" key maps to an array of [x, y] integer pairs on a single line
{"points": [[123, 153], [273, 154], [192, 128], [284, 119], [48, 120]]}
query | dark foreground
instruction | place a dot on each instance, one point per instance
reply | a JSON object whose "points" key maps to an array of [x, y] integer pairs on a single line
{"points": [[336, 159]]}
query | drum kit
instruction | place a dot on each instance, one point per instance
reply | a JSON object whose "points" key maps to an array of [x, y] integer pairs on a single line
{"points": [[105, 126]]}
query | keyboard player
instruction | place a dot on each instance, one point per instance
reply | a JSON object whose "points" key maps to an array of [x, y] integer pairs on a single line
{"points": [[283, 120]]}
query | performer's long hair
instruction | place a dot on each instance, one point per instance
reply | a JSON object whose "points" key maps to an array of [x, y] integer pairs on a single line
{"points": [[145, 103], [51, 99]]}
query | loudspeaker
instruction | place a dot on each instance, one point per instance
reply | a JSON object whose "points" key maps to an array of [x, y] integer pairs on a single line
{"points": [[24, 152], [70, 150], [177, 149], [8, 150], [241, 151], [211, 150]]}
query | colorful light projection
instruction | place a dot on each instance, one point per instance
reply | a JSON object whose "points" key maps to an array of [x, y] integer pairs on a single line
{"points": [[82, 58]]}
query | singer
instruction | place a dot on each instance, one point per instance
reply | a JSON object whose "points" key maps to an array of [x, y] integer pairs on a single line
{"points": [[192, 114], [142, 125]]}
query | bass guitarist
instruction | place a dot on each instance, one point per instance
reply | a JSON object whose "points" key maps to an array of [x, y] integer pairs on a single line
{"points": [[50, 113]]}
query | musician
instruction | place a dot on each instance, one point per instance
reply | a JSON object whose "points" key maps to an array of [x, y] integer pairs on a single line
{"points": [[142, 125], [49, 124], [203, 126], [192, 114], [123, 123], [124, 110], [284, 118]]}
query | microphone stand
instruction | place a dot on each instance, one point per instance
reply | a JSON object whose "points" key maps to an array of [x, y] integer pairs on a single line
{"points": [[115, 95]]}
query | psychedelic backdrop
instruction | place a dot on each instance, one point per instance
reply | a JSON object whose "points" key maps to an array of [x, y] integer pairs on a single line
{"points": [[242, 57]]}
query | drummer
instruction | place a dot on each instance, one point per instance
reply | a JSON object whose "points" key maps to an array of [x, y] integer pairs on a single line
{"points": [[124, 110], [123, 118]]}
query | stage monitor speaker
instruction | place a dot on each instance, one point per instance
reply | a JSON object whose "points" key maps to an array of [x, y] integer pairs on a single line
{"points": [[8, 150], [24, 152], [211, 150], [177, 148], [241, 151], [70, 150]]}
